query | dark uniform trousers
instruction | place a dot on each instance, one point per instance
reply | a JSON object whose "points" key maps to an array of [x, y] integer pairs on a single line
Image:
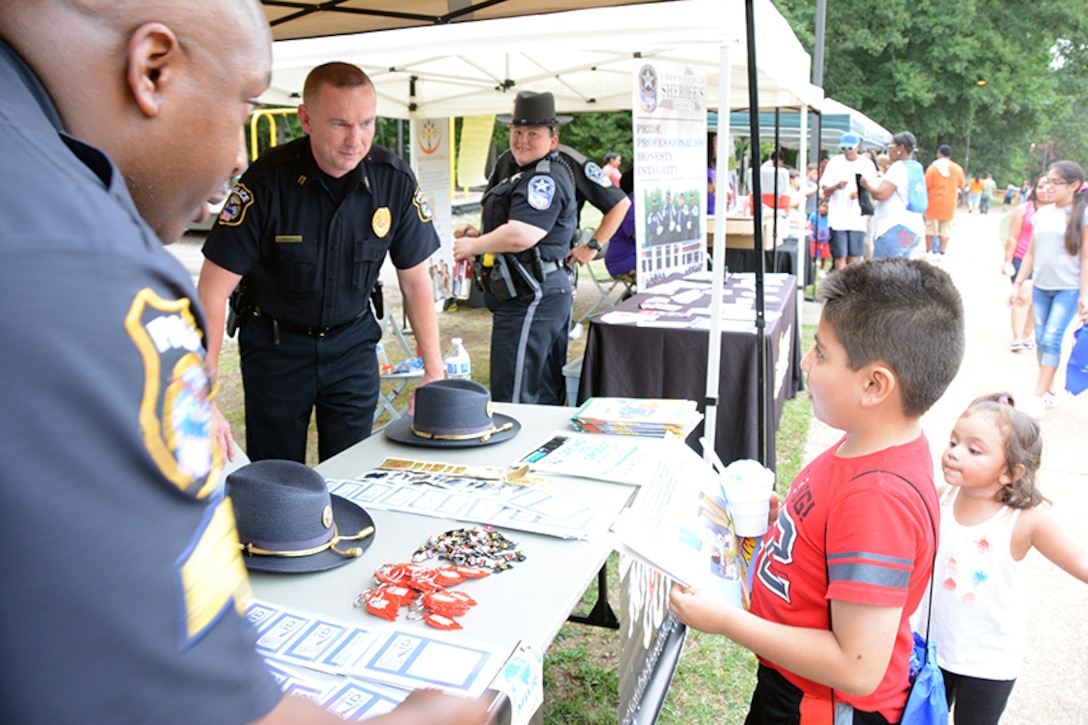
{"points": [[335, 376], [528, 368]]}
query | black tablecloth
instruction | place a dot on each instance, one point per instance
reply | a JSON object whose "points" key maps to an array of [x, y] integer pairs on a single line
{"points": [[745, 260], [625, 360]]}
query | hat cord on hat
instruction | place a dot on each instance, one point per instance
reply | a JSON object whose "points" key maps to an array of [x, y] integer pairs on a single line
{"points": [[351, 553], [484, 437]]}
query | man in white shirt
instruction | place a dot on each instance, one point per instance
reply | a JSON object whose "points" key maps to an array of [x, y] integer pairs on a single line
{"points": [[839, 184]]}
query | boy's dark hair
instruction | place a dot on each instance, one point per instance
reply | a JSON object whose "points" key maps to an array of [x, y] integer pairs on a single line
{"points": [[905, 313]]}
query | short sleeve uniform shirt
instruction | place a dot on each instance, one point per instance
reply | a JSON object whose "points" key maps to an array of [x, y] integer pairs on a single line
{"points": [[311, 259]]}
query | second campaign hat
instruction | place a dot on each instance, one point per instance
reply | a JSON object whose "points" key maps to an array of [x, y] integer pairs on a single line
{"points": [[534, 109], [288, 522], [452, 413], [849, 140]]}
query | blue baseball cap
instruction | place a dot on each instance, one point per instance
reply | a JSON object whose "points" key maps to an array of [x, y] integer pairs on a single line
{"points": [[849, 141]]}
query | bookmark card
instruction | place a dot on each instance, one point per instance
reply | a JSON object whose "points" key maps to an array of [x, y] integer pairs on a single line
{"points": [[413, 660]]}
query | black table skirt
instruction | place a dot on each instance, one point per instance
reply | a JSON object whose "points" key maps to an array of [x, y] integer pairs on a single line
{"points": [[624, 360]]}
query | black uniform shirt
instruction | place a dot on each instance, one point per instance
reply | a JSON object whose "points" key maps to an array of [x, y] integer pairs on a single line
{"points": [[311, 260], [590, 182], [540, 194]]}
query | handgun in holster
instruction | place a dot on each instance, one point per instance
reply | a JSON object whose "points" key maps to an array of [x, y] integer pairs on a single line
{"points": [[377, 300], [500, 279], [241, 307], [526, 276]]}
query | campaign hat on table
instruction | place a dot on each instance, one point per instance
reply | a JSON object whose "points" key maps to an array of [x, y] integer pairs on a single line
{"points": [[288, 522], [534, 109], [849, 140], [452, 413]]}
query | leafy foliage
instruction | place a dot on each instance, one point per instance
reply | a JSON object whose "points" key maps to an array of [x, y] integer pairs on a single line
{"points": [[916, 64]]}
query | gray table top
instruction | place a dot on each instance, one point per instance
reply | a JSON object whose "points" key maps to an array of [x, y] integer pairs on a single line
{"points": [[528, 603]]}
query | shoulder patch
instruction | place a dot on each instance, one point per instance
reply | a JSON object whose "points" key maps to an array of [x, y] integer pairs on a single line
{"points": [[541, 192], [234, 208], [596, 174], [175, 412], [423, 208], [211, 573]]}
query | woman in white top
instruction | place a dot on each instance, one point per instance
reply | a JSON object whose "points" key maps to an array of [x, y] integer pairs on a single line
{"points": [[896, 230], [1058, 257]]}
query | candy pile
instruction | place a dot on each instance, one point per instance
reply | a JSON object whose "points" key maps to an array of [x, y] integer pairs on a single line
{"points": [[479, 546], [423, 590]]}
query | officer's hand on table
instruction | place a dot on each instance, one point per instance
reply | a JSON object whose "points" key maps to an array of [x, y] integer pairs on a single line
{"points": [[583, 254], [221, 431]]}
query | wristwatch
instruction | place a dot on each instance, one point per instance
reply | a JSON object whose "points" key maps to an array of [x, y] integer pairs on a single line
{"points": [[594, 244]]}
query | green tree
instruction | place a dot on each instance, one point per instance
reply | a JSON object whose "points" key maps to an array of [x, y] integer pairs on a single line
{"points": [[917, 64]]}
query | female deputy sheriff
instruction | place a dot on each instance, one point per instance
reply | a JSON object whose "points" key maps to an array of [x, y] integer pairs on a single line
{"points": [[529, 220]]}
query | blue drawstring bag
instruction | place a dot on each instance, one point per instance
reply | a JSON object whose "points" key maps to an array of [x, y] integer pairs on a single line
{"points": [[926, 703], [1076, 371]]}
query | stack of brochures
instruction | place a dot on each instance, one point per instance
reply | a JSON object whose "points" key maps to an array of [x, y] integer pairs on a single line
{"points": [[637, 416]]}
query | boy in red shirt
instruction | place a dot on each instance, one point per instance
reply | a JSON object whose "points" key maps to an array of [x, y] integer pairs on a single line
{"points": [[849, 557]]}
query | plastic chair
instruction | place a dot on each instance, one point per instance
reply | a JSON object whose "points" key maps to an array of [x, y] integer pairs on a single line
{"points": [[387, 400], [606, 286]]}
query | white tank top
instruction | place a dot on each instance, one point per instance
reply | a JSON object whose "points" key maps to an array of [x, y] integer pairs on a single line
{"points": [[979, 617]]}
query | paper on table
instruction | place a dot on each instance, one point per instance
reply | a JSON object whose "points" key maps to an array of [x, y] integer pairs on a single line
{"points": [[614, 458]]}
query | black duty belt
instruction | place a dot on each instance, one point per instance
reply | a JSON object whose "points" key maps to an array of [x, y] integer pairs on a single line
{"points": [[303, 329], [551, 265]]}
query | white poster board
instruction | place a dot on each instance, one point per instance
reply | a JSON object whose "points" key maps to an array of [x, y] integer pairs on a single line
{"points": [[431, 163], [669, 115]]}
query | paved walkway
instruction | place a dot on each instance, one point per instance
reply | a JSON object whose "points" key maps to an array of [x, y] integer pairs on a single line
{"points": [[1051, 688]]}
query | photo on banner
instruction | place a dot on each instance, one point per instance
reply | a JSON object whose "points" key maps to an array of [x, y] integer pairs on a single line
{"points": [[669, 115], [431, 162]]}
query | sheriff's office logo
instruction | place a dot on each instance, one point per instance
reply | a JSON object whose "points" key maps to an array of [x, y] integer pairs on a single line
{"points": [[422, 206], [596, 174], [234, 209], [541, 192], [430, 136], [381, 221], [175, 412], [647, 88]]}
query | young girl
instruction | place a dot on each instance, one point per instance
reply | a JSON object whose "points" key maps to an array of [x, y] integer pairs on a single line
{"points": [[990, 518], [1057, 254]]}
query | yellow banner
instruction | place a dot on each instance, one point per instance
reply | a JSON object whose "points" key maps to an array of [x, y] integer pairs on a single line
{"points": [[476, 132]]}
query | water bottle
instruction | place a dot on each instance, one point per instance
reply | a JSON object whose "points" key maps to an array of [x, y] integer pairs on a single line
{"points": [[383, 359], [458, 365]]}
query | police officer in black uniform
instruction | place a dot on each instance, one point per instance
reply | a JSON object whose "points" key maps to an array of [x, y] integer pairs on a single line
{"points": [[308, 227], [529, 219], [590, 184]]}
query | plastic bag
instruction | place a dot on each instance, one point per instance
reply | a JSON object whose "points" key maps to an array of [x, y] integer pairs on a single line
{"points": [[926, 703], [1076, 371]]}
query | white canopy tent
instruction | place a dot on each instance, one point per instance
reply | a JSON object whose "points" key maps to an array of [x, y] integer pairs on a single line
{"points": [[584, 57]]}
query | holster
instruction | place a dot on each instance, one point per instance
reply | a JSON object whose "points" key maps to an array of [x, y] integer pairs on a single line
{"points": [[377, 300], [240, 307], [501, 279]]}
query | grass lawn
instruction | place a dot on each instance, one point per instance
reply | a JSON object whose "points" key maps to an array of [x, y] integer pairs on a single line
{"points": [[714, 678]]}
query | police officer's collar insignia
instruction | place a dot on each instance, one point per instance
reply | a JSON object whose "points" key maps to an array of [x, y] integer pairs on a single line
{"points": [[541, 192], [596, 174], [175, 411], [234, 208], [381, 221], [423, 207]]}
